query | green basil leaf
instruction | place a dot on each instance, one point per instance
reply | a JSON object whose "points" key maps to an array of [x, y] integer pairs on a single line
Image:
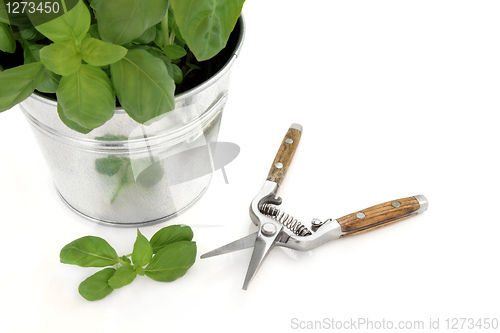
{"points": [[4, 17], [170, 235], [138, 47], [168, 63], [99, 53], [178, 36], [94, 31], [172, 261], [86, 97], [191, 67], [177, 72], [159, 37], [108, 166], [158, 53], [49, 82], [123, 276], [7, 40], [18, 18], [89, 251], [147, 37], [125, 259], [28, 34], [62, 58], [143, 86], [143, 252], [139, 270], [31, 34], [31, 52], [122, 21], [205, 25], [96, 286], [17, 83], [170, 68], [71, 124], [171, 19], [71, 25], [174, 51]]}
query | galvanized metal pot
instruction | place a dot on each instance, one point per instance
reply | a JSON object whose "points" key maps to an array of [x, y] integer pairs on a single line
{"points": [[128, 174]]}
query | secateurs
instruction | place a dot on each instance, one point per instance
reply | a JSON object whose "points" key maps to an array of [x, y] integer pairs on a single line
{"points": [[276, 228]]}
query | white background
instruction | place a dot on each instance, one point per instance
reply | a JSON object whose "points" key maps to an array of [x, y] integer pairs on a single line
{"points": [[397, 98]]}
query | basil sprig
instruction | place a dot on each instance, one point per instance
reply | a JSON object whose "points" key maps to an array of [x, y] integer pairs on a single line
{"points": [[94, 52], [165, 258]]}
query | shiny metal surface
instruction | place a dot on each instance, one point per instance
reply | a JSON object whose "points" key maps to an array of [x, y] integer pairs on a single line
{"points": [[287, 220], [330, 230], [240, 244], [424, 204], [263, 242], [277, 228], [360, 215], [297, 127], [396, 204], [316, 223], [121, 199], [268, 229], [263, 245]]}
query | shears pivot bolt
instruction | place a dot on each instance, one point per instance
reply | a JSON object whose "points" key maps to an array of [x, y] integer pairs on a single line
{"points": [[268, 229]]}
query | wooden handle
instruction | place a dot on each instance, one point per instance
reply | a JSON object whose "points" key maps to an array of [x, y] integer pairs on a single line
{"points": [[285, 154], [382, 215]]}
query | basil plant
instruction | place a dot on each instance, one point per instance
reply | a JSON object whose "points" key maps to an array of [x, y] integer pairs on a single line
{"points": [[96, 52]]}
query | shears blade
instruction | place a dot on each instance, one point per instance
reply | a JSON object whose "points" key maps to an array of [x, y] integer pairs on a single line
{"points": [[240, 244], [262, 247]]}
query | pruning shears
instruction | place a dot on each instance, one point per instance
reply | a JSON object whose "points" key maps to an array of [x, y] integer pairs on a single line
{"points": [[277, 228]]}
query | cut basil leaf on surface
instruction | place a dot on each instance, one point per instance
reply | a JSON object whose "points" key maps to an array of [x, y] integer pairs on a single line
{"points": [[89, 251], [170, 235], [123, 276], [143, 252], [96, 286], [172, 261]]}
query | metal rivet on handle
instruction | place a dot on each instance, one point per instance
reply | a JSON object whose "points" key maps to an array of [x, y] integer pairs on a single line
{"points": [[360, 215], [289, 141], [279, 165], [396, 204], [268, 229]]}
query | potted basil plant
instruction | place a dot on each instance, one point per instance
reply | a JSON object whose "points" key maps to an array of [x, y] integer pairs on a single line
{"points": [[122, 96]]}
